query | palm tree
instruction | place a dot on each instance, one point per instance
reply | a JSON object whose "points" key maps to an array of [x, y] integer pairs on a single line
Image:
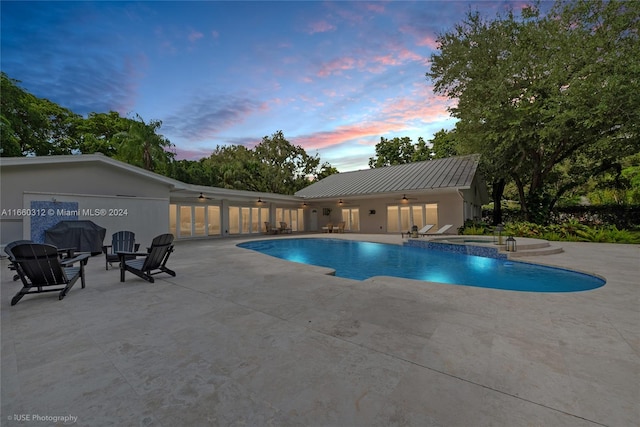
{"points": [[140, 145]]}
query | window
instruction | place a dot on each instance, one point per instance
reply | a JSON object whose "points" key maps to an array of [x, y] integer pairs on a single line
{"points": [[173, 219], [431, 211], [393, 219], [213, 220], [234, 220], [185, 221], [299, 225], [199, 224], [247, 220], [351, 218], [264, 217], [293, 217], [405, 218], [194, 221], [402, 217]]}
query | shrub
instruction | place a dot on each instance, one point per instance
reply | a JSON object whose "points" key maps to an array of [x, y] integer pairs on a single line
{"points": [[572, 231], [475, 227]]}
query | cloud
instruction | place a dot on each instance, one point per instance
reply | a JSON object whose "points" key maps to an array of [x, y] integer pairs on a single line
{"points": [[195, 36], [206, 116], [375, 7], [409, 110], [80, 73], [192, 154], [320, 27], [337, 66], [345, 133]]}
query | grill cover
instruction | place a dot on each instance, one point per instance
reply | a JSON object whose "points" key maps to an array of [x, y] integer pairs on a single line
{"points": [[84, 236]]}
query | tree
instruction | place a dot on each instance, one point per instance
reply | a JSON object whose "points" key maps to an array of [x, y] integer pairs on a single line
{"points": [[97, 133], [34, 126], [273, 166], [325, 170], [444, 144], [288, 168], [548, 101], [141, 145], [398, 151]]}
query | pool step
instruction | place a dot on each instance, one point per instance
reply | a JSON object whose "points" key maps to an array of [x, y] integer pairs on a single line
{"points": [[538, 250]]}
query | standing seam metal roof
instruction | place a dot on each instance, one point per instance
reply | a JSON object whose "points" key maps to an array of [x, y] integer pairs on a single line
{"points": [[451, 172]]}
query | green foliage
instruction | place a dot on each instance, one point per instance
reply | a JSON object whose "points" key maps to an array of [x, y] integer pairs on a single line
{"points": [[141, 145], [34, 126], [474, 227], [444, 144], [275, 165], [548, 101], [572, 231], [98, 131], [398, 151]]}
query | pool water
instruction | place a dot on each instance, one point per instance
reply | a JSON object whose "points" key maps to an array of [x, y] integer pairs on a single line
{"points": [[362, 260]]}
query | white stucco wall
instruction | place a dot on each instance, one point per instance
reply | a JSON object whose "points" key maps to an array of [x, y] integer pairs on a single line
{"points": [[111, 197], [450, 210]]}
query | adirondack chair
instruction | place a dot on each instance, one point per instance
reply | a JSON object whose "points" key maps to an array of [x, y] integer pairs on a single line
{"points": [[154, 261], [122, 241], [41, 270], [8, 250]]}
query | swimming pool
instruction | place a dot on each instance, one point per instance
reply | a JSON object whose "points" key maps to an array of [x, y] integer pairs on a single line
{"points": [[361, 260]]}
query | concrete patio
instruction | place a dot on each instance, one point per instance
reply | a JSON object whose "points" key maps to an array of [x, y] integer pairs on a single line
{"points": [[240, 338]]}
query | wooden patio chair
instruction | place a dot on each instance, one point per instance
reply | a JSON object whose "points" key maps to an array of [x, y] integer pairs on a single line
{"points": [[328, 228], [284, 228], [122, 241], [340, 227], [154, 261], [41, 270], [269, 229]]}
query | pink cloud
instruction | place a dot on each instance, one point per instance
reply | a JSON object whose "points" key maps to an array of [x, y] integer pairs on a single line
{"points": [[422, 38], [320, 27], [428, 40], [193, 154], [397, 115], [342, 134], [422, 109], [337, 66], [375, 7], [195, 36], [215, 34]]}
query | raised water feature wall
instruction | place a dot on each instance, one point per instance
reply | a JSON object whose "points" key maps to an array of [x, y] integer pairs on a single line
{"points": [[465, 249]]}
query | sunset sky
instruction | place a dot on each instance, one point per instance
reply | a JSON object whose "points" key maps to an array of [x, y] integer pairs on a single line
{"points": [[333, 76]]}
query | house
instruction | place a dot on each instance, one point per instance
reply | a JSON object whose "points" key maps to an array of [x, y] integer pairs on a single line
{"points": [[37, 192], [394, 198]]}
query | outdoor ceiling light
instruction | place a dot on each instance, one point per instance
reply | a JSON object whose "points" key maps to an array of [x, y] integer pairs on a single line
{"points": [[201, 197]]}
